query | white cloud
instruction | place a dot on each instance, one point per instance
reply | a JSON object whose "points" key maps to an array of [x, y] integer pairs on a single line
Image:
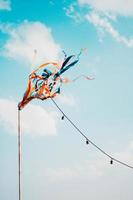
{"points": [[131, 145], [126, 157], [92, 169], [59, 174], [24, 38], [35, 120], [101, 13], [72, 13], [104, 24], [5, 5], [67, 99], [118, 7]]}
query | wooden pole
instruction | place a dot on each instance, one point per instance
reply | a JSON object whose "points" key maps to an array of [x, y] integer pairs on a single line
{"points": [[19, 157]]}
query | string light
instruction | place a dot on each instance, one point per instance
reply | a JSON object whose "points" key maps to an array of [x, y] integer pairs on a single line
{"points": [[62, 117], [89, 141], [111, 161]]}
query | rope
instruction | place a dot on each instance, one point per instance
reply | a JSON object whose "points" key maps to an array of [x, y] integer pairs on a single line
{"points": [[89, 141]]}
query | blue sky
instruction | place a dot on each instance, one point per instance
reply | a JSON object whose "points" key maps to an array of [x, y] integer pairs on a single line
{"points": [[57, 164]]}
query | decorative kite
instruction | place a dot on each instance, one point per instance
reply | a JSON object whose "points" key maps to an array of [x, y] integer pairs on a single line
{"points": [[45, 81]]}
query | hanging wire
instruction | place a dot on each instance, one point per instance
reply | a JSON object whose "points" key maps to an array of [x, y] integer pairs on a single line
{"points": [[88, 141]]}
